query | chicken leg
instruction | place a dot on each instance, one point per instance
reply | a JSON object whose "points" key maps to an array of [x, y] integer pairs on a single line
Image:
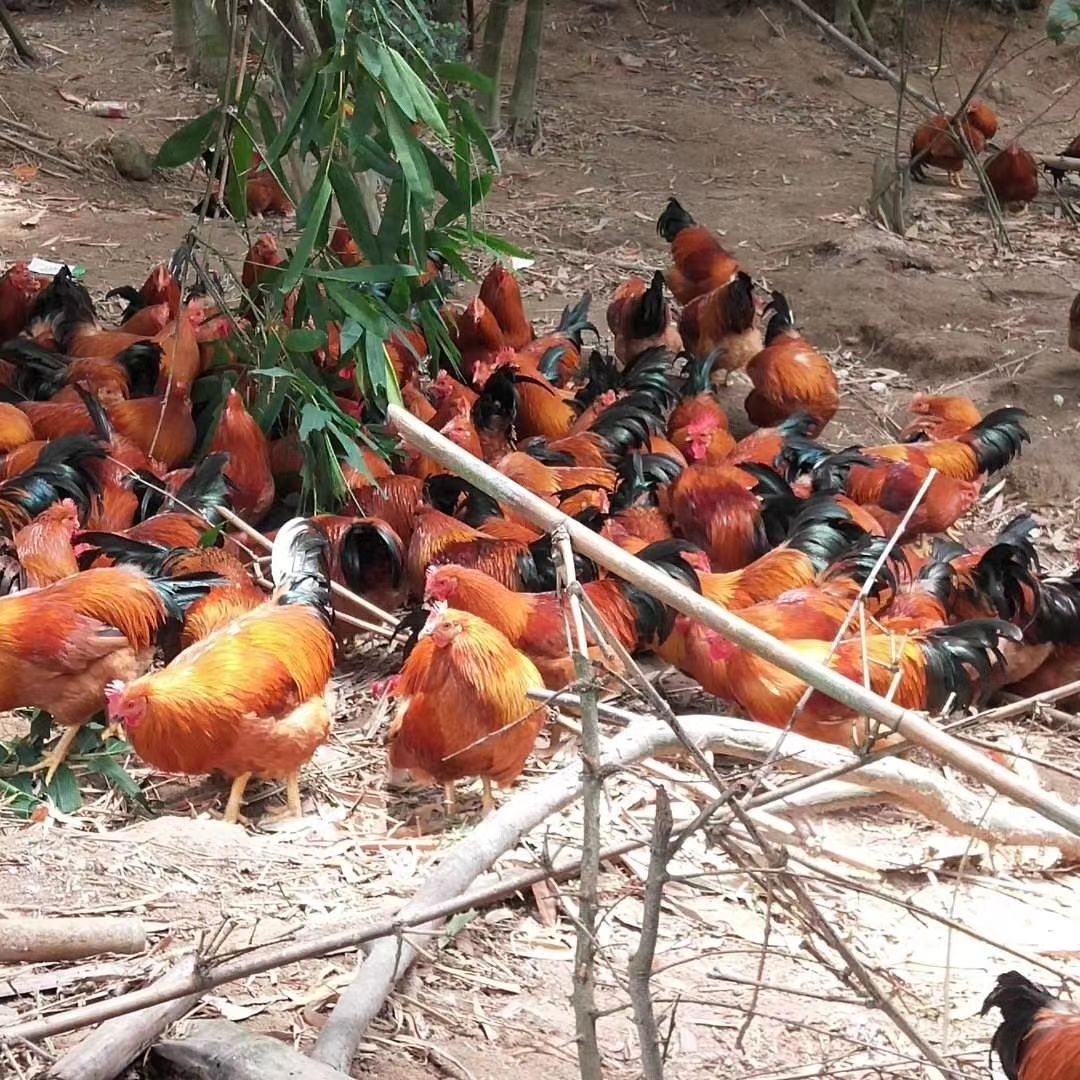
{"points": [[57, 755], [236, 799], [293, 808], [450, 796], [487, 800], [955, 180]]}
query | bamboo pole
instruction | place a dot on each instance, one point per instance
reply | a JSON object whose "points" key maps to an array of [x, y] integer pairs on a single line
{"points": [[911, 725]]}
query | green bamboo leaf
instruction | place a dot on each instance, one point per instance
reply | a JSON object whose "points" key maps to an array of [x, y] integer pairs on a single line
{"points": [[272, 373], [293, 117], [241, 153], [370, 155], [63, 789], [108, 767], [351, 204], [409, 156], [370, 55], [312, 418], [393, 220], [474, 128], [398, 90], [423, 104], [464, 75], [339, 10], [364, 274], [352, 330], [16, 794], [495, 244], [417, 234], [267, 123], [316, 230], [188, 142], [304, 341]]}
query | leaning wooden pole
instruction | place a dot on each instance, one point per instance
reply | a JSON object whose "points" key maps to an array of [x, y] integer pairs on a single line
{"points": [[911, 725]]}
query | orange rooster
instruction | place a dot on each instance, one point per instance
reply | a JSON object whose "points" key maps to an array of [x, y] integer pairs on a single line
{"points": [[640, 319], [732, 513], [501, 293], [64, 643], [790, 376], [535, 622], [723, 322], [15, 428], [18, 289], [262, 260], [1039, 1034], [152, 307], [250, 698], [248, 468], [939, 417], [950, 664], [462, 708], [940, 142], [1013, 176], [701, 263], [366, 556], [43, 547]]}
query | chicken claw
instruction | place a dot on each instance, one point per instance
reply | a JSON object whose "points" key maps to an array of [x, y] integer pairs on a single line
{"points": [[57, 755], [236, 799], [293, 810], [956, 181]]}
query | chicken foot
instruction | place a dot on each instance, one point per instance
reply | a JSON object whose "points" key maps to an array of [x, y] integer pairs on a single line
{"points": [[293, 808], [57, 755], [956, 181], [236, 799], [487, 800]]}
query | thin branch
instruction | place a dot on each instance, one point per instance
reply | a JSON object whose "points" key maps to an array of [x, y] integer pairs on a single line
{"points": [[639, 973], [911, 725]]}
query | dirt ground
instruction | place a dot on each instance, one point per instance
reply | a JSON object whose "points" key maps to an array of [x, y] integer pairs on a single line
{"points": [[768, 135]]}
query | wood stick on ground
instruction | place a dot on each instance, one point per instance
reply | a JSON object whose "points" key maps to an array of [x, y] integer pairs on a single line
{"points": [[863, 702], [441, 896], [106, 1052], [590, 1063], [340, 590], [24, 51], [26, 148], [224, 1051], [25, 940], [639, 974]]}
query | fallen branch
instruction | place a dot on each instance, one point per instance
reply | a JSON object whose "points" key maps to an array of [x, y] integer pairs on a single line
{"points": [[891, 717], [24, 51], [40, 940], [639, 975], [220, 1050], [444, 892], [107, 1051]]}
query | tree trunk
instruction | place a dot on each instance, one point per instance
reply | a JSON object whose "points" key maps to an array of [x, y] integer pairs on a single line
{"points": [[489, 105], [524, 120], [183, 31], [23, 50]]}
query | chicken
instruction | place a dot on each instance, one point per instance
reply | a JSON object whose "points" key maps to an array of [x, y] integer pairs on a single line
{"points": [[640, 319], [344, 246], [62, 471], [952, 665], [982, 450], [262, 261], [734, 514], [263, 191], [61, 645], [939, 417], [500, 292], [767, 446], [541, 408], [15, 428], [461, 706], [790, 376], [1070, 151], [477, 335], [535, 623], [42, 375], [1039, 1034], [701, 263], [152, 307], [43, 547], [1013, 176], [18, 288], [981, 117], [248, 468], [250, 698], [940, 142], [723, 321], [366, 556]]}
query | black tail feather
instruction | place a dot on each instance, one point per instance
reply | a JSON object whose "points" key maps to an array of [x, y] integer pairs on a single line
{"points": [[1020, 1000], [673, 220]]}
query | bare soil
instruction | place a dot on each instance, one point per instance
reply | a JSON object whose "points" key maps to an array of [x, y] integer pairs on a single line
{"points": [[768, 135]]}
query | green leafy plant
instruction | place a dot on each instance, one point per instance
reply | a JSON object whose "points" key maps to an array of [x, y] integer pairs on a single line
{"points": [[387, 133], [22, 792]]}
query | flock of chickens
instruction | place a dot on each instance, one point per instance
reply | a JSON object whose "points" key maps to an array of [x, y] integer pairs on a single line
{"points": [[947, 142], [116, 554]]}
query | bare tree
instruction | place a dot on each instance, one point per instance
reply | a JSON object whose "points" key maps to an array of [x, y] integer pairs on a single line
{"points": [[489, 105], [524, 119]]}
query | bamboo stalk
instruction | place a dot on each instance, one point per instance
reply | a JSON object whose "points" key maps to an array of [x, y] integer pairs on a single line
{"points": [[911, 725]]}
